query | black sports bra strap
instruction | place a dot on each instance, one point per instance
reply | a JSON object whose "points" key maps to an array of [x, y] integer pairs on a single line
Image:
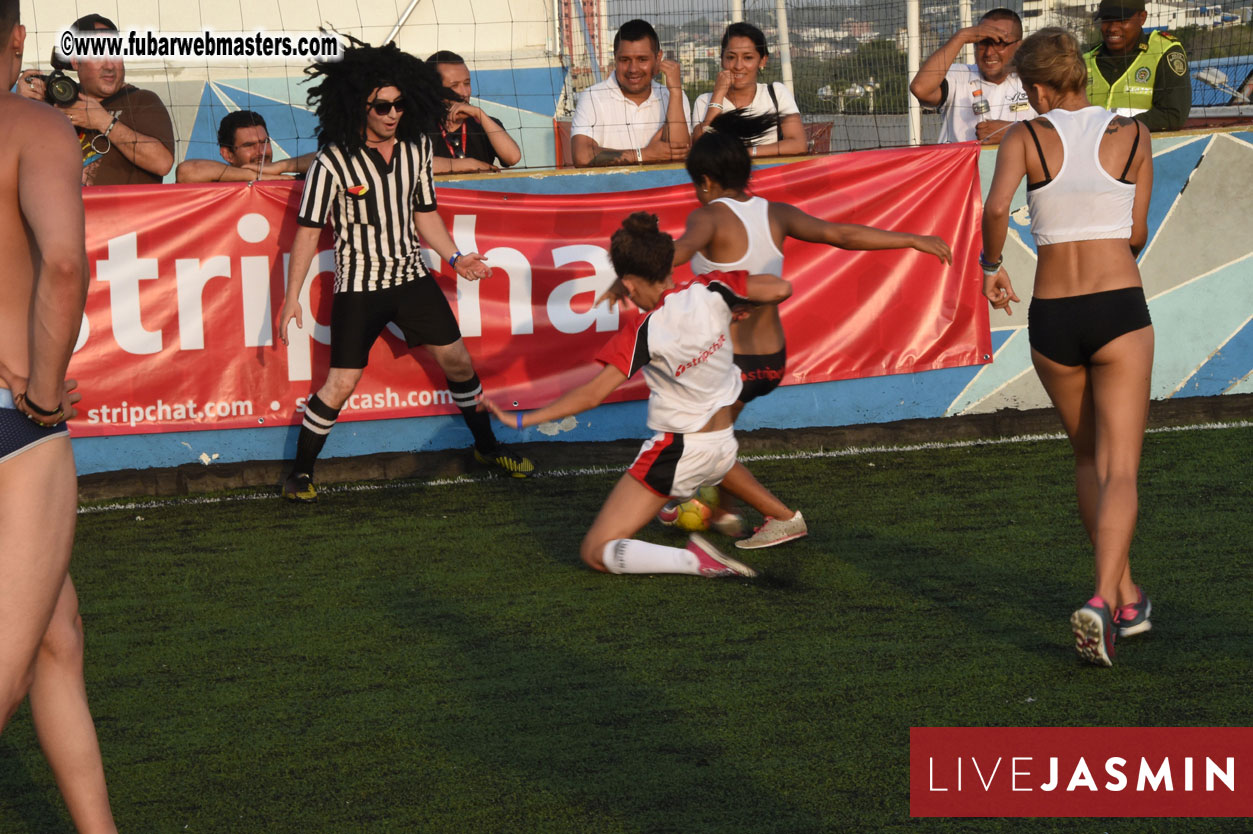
{"points": [[1039, 150], [1131, 156], [774, 99]]}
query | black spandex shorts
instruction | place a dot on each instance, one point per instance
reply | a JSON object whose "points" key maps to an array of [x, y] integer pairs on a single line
{"points": [[1070, 330], [761, 373], [418, 308]]}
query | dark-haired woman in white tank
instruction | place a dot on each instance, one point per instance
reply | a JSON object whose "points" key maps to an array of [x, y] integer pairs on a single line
{"points": [[1089, 174], [734, 229]]}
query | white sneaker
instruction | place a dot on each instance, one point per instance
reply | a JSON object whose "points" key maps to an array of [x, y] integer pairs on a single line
{"points": [[715, 563], [728, 524], [775, 531]]}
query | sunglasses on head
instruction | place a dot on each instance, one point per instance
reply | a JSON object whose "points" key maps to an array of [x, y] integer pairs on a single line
{"points": [[382, 108]]}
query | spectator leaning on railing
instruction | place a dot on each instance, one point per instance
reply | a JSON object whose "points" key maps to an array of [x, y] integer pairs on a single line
{"points": [[468, 139], [979, 100], [1138, 74], [125, 132], [628, 118], [247, 154], [744, 55]]}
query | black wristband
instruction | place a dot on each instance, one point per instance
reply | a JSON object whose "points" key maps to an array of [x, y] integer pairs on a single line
{"points": [[42, 412]]}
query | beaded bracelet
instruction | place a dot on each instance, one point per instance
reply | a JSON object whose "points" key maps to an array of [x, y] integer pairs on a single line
{"points": [[33, 412], [989, 267]]}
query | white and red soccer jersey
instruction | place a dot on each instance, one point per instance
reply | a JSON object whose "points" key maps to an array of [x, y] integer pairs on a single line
{"points": [[684, 347]]}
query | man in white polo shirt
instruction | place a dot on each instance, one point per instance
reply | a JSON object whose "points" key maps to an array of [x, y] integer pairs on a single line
{"points": [[629, 119], [980, 100]]}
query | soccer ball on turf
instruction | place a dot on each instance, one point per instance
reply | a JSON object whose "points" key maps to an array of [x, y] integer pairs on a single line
{"points": [[693, 514]]}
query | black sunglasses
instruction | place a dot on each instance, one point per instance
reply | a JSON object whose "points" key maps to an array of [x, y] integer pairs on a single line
{"points": [[988, 43], [382, 108]]}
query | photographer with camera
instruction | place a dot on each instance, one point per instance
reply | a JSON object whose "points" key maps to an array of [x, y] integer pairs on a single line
{"points": [[126, 134]]}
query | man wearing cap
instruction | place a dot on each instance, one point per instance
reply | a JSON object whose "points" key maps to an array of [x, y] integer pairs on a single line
{"points": [[979, 100], [125, 132], [1135, 73]]}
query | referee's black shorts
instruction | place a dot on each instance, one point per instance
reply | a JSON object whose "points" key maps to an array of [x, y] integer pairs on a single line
{"points": [[418, 308]]}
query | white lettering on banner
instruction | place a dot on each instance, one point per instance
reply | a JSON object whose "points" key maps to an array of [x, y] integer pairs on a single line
{"points": [[387, 398], [1149, 779], [299, 349], [1082, 777], [511, 261], [1154, 779], [191, 275], [162, 411], [560, 303], [123, 270], [1113, 766], [518, 269], [82, 333], [469, 313], [258, 314], [521, 296]]}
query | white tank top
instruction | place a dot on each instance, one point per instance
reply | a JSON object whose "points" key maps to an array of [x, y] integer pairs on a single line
{"points": [[762, 257], [1082, 201]]}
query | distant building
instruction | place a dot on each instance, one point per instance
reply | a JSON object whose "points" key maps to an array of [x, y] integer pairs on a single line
{"points": [[1166, 14]]}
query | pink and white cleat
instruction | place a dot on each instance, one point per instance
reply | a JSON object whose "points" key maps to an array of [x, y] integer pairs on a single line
{"points": [[713, 562]]}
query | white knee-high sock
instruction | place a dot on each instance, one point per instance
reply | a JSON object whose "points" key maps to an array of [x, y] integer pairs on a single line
{"points": [[635, 556]]}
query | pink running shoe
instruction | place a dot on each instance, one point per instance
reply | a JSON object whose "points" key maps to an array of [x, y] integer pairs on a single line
{"points": [[1095, 631], [713, 562], [1134, 618]]}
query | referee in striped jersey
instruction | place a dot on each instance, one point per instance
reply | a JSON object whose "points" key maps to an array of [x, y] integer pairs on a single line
{"points": [[373, 181]]}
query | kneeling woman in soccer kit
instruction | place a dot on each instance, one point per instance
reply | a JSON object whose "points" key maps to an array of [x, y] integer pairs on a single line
{"points": [[735, 230], [683, 346], [1089, 175]]}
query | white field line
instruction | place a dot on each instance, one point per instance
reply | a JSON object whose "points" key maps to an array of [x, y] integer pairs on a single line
{"points": [[462, 480]]}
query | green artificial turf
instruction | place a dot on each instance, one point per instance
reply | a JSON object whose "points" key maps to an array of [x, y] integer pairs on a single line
{"points": [[435, 658]]}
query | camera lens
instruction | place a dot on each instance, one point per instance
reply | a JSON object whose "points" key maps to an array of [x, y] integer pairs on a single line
{"points": [[61, 90]]}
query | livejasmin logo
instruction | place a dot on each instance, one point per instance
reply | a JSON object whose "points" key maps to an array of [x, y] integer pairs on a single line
{"points": [[1081, 772], [1020, 770]]}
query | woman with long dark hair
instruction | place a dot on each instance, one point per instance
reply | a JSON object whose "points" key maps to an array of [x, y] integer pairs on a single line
{"points": [[682, 346], [734, 229], [744, 55]]}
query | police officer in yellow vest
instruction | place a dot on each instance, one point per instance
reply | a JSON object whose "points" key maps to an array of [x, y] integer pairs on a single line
{"points": [[1138, 74]]}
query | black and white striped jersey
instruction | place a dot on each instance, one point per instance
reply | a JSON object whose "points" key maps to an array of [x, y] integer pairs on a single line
{"points": [[371, 207]]}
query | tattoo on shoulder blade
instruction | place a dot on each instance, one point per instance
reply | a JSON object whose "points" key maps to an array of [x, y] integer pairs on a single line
{"points": [[1118, 123]]}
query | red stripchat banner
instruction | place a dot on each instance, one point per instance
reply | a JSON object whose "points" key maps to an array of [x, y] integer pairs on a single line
{"points": [[1081, 772], [187, 283]]}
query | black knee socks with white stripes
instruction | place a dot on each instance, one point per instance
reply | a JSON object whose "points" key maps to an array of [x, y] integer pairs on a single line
{"points": [[319, 420], [465, 395]]}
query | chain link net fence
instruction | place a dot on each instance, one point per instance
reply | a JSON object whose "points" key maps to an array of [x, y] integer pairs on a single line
{"points": [[848, 59]]}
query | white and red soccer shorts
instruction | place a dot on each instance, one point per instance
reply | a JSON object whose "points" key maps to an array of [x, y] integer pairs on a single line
{"points": [[677, 465]]}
